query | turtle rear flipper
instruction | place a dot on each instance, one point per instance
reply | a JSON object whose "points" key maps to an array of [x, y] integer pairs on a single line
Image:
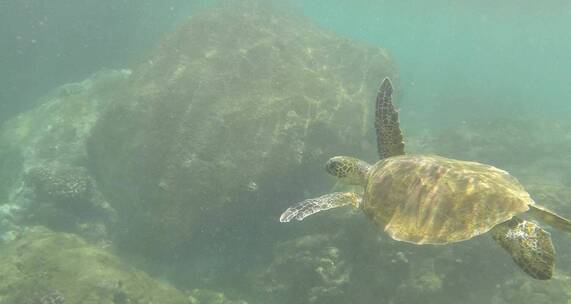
{"points": [[551, 218], [529, 246], [305, 208]]}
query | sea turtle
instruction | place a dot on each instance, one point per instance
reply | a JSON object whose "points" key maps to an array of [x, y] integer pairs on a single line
{"points": [[428, 199]]}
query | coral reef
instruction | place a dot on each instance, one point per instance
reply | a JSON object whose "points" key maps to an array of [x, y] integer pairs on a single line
{"points": [[68, 186], [203, 296], [520, 290], [42, 156], [423, 282], [9, 230], [11, 161], [54, 297], [309, 269], [44, 267]]}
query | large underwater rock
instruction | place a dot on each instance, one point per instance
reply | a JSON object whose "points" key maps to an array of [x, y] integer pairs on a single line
{"points": [[47, 267], [56, 130], [229, 120]]}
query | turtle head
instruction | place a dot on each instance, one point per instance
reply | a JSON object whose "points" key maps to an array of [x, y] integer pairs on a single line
{"points": [[349, 170]]}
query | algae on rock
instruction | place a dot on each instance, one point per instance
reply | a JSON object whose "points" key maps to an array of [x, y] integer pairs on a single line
{"points": [[42, 263]]}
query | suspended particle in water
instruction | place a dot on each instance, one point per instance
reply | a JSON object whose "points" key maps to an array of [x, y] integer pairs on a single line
{"points": [[252, 186]]}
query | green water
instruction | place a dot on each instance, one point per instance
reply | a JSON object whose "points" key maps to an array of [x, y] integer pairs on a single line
{"points": [[184, 198], [467, 59]]}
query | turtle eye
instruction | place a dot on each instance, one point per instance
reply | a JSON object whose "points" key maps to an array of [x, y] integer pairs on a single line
{"points": [[330, 167]]}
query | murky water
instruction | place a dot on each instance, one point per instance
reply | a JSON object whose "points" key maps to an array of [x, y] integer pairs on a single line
{"points": [[148, 148]]}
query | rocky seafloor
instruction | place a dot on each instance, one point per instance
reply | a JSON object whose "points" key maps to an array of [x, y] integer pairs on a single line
{"points": [[163, 183]]}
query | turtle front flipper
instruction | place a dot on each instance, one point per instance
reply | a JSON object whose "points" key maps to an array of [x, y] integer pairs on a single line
{"points": [[305, 208], [529, 246], [389, 136], [551, 218]]}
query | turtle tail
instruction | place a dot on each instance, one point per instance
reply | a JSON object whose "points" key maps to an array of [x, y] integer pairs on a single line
{"points": [[551, 218]]}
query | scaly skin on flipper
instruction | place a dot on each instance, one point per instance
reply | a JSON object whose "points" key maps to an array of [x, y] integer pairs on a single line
{"points": [[529, 246], [389, 136], [551, 218], [305, 208]]}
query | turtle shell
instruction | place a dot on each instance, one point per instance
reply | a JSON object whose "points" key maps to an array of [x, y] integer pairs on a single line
{"points": [[436, 200]]}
